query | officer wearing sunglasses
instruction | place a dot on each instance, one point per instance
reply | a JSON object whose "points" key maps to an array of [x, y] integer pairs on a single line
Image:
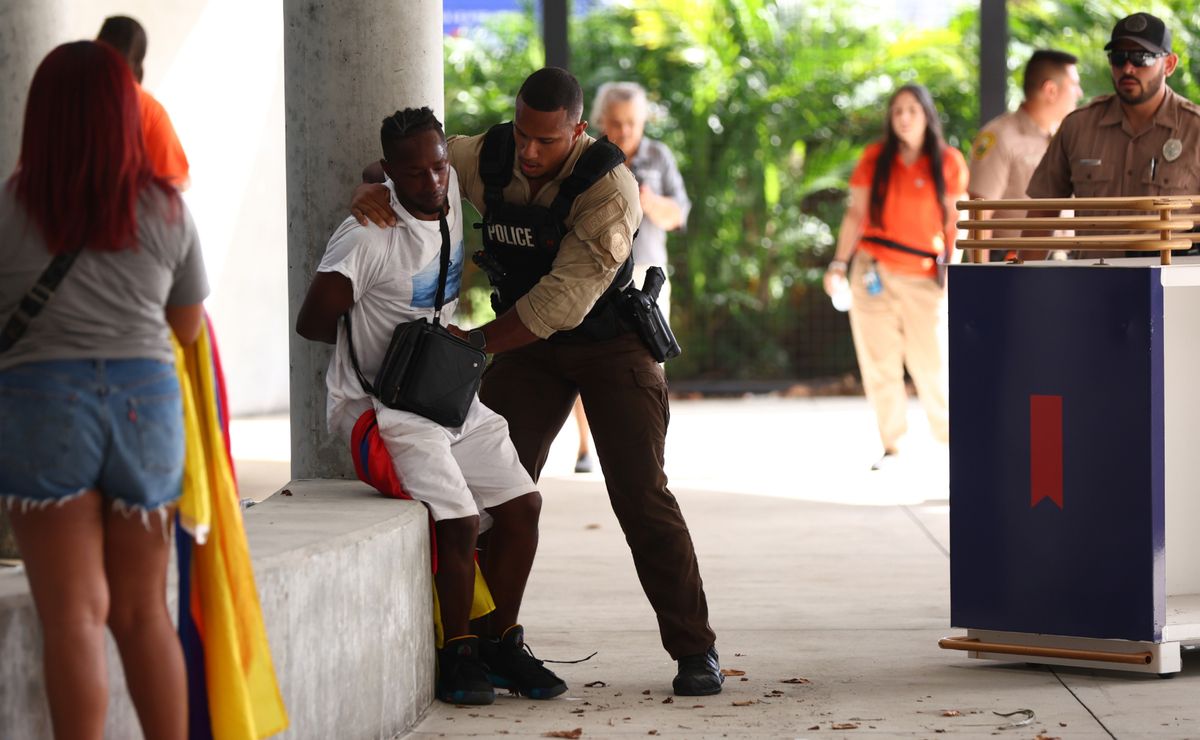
{"points": [[1142, 140]]}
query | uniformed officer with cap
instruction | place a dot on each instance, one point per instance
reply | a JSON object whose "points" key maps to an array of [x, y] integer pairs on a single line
{"points": [[1142, 140], [559, 216]]}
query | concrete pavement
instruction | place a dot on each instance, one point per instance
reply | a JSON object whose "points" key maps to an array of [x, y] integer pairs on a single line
{"points": [[828, 588]]}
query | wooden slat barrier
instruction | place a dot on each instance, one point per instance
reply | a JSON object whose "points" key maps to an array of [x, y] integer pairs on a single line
{"points": [[1165, 225]]}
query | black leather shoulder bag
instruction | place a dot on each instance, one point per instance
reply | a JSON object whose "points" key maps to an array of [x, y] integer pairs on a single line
{"points": [[426, 369]]}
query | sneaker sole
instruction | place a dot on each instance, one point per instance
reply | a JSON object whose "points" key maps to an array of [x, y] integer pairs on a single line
{"points": [[473, 698], [501, 682]]}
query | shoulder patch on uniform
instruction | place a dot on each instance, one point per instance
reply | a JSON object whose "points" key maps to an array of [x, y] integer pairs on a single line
{"points": [[983, 144], [1189, 106]]}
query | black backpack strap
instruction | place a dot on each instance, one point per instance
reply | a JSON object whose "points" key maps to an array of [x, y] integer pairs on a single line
{"points": [[35, 300], [599, 159], [496, 162]]}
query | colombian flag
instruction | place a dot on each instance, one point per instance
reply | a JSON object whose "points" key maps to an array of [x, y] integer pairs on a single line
{"points": [[232, 690]]}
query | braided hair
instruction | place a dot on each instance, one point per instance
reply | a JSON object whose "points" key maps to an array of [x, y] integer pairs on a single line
{"points": [[931, 146], [404, 123]]}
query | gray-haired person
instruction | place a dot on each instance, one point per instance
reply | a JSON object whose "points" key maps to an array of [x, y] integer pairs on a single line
{"points": [[620, 110]]}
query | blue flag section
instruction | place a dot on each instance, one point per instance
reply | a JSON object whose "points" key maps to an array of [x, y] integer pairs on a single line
{"points": [[1056, 450]]}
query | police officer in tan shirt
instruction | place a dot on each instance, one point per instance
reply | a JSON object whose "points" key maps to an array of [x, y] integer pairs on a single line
{"points": [[1142, 140], [560, 213], [1010, 146]]}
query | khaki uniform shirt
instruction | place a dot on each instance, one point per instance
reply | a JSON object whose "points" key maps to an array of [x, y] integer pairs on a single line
{"points": [[600, 224], [1003, 158], [1096, 154]]}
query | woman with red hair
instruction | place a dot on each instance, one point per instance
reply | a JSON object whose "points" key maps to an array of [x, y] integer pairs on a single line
{"points": [[91, 428]]}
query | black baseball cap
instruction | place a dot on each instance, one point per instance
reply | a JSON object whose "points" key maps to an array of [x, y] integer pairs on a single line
{"points": [[1143, 29]]}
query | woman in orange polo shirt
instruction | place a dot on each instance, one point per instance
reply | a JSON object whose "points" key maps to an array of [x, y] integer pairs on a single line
{"points": [[898, 229]]}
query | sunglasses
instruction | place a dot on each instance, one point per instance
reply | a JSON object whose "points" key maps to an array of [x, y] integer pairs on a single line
{"points": [[1136, 58]]}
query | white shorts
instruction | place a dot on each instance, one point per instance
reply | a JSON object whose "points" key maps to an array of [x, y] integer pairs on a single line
{"points": [[456, 472]]}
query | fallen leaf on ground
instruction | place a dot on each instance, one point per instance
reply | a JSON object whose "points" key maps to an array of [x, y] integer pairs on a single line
{"points": [[743, 678], [652, 732], [1041, 736], [697, 706], [571, 734], [745, 703], [732, 672], [844, 726], [592, 526], [795, 680], [815, 727], [668, 700], [739, 655], [951, 713], [595, 684], [285, 492], [577, 711], [646, 692]]}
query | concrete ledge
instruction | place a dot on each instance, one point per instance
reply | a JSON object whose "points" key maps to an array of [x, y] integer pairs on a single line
{"points": [[343, 578]]}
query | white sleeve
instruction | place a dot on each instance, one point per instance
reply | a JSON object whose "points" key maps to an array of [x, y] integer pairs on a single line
{"points": [[357, 252]]}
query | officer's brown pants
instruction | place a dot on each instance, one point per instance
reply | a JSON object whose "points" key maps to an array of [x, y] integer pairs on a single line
{"points": [[625, 396]]}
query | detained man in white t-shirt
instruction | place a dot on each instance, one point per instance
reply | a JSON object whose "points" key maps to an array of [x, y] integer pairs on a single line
{"points": [[386, 276]]}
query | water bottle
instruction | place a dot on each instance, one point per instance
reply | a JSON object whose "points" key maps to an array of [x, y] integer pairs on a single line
{"points": [[871, 281], [841, 296]]}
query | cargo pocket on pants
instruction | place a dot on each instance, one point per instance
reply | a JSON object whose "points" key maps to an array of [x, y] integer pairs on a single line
{"points": [[654, 381]]}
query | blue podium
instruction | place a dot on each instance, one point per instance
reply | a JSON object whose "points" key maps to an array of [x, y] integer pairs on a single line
{"points": [[1074, 451]]}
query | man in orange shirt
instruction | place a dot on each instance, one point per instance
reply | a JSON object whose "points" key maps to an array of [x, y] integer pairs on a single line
{"points": [[162, 145]]}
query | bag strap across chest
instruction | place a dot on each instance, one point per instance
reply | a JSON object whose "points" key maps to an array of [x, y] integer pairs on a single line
{"points": [[438, 300]]}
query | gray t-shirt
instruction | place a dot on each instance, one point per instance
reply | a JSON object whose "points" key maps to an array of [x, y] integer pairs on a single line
{"points": [[111, 304], [654, 166]]}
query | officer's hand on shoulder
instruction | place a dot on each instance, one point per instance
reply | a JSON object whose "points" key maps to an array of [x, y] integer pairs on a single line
{"points": [[371, 204]]}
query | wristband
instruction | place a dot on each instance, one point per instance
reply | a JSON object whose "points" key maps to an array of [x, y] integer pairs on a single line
{"points": [[839, 265]]}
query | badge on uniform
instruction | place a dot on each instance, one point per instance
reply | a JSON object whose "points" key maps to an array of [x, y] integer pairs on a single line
{"points": [[983, 145], [1172, 149]]}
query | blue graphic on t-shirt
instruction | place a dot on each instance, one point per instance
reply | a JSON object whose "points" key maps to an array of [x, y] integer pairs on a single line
{"points": [[425, 282]]}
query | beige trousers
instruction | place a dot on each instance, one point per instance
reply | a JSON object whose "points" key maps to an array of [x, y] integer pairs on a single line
{"points": [[903, 325]]}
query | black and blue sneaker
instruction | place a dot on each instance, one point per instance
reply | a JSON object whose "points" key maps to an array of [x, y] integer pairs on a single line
{"points": [[511, 665], [461, 675]]}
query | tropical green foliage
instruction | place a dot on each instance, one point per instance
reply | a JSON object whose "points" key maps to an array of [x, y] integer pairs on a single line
{"points": [[767, 106]]}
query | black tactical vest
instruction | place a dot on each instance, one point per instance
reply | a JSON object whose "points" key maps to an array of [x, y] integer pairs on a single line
{"points": [[520, 242]]}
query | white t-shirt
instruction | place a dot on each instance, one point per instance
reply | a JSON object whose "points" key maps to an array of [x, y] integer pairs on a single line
{"points": [[395, 277]]}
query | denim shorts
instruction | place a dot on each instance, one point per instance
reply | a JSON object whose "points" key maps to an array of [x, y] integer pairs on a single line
{"points": [[69, 426]]}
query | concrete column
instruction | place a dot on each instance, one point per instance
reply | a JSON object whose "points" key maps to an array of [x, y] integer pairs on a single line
{"points": [[347, 65], [27, 34], [993, 53]]}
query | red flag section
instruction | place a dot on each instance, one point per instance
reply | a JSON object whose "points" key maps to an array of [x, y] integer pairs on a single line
{"points": [[1045, 450]]}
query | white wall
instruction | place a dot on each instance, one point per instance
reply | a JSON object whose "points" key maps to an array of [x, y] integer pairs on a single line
{"points": [[217, 67]]}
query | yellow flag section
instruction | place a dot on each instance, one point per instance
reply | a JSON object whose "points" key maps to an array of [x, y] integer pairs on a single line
{"points": [[221, 626], [481, 605]]}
